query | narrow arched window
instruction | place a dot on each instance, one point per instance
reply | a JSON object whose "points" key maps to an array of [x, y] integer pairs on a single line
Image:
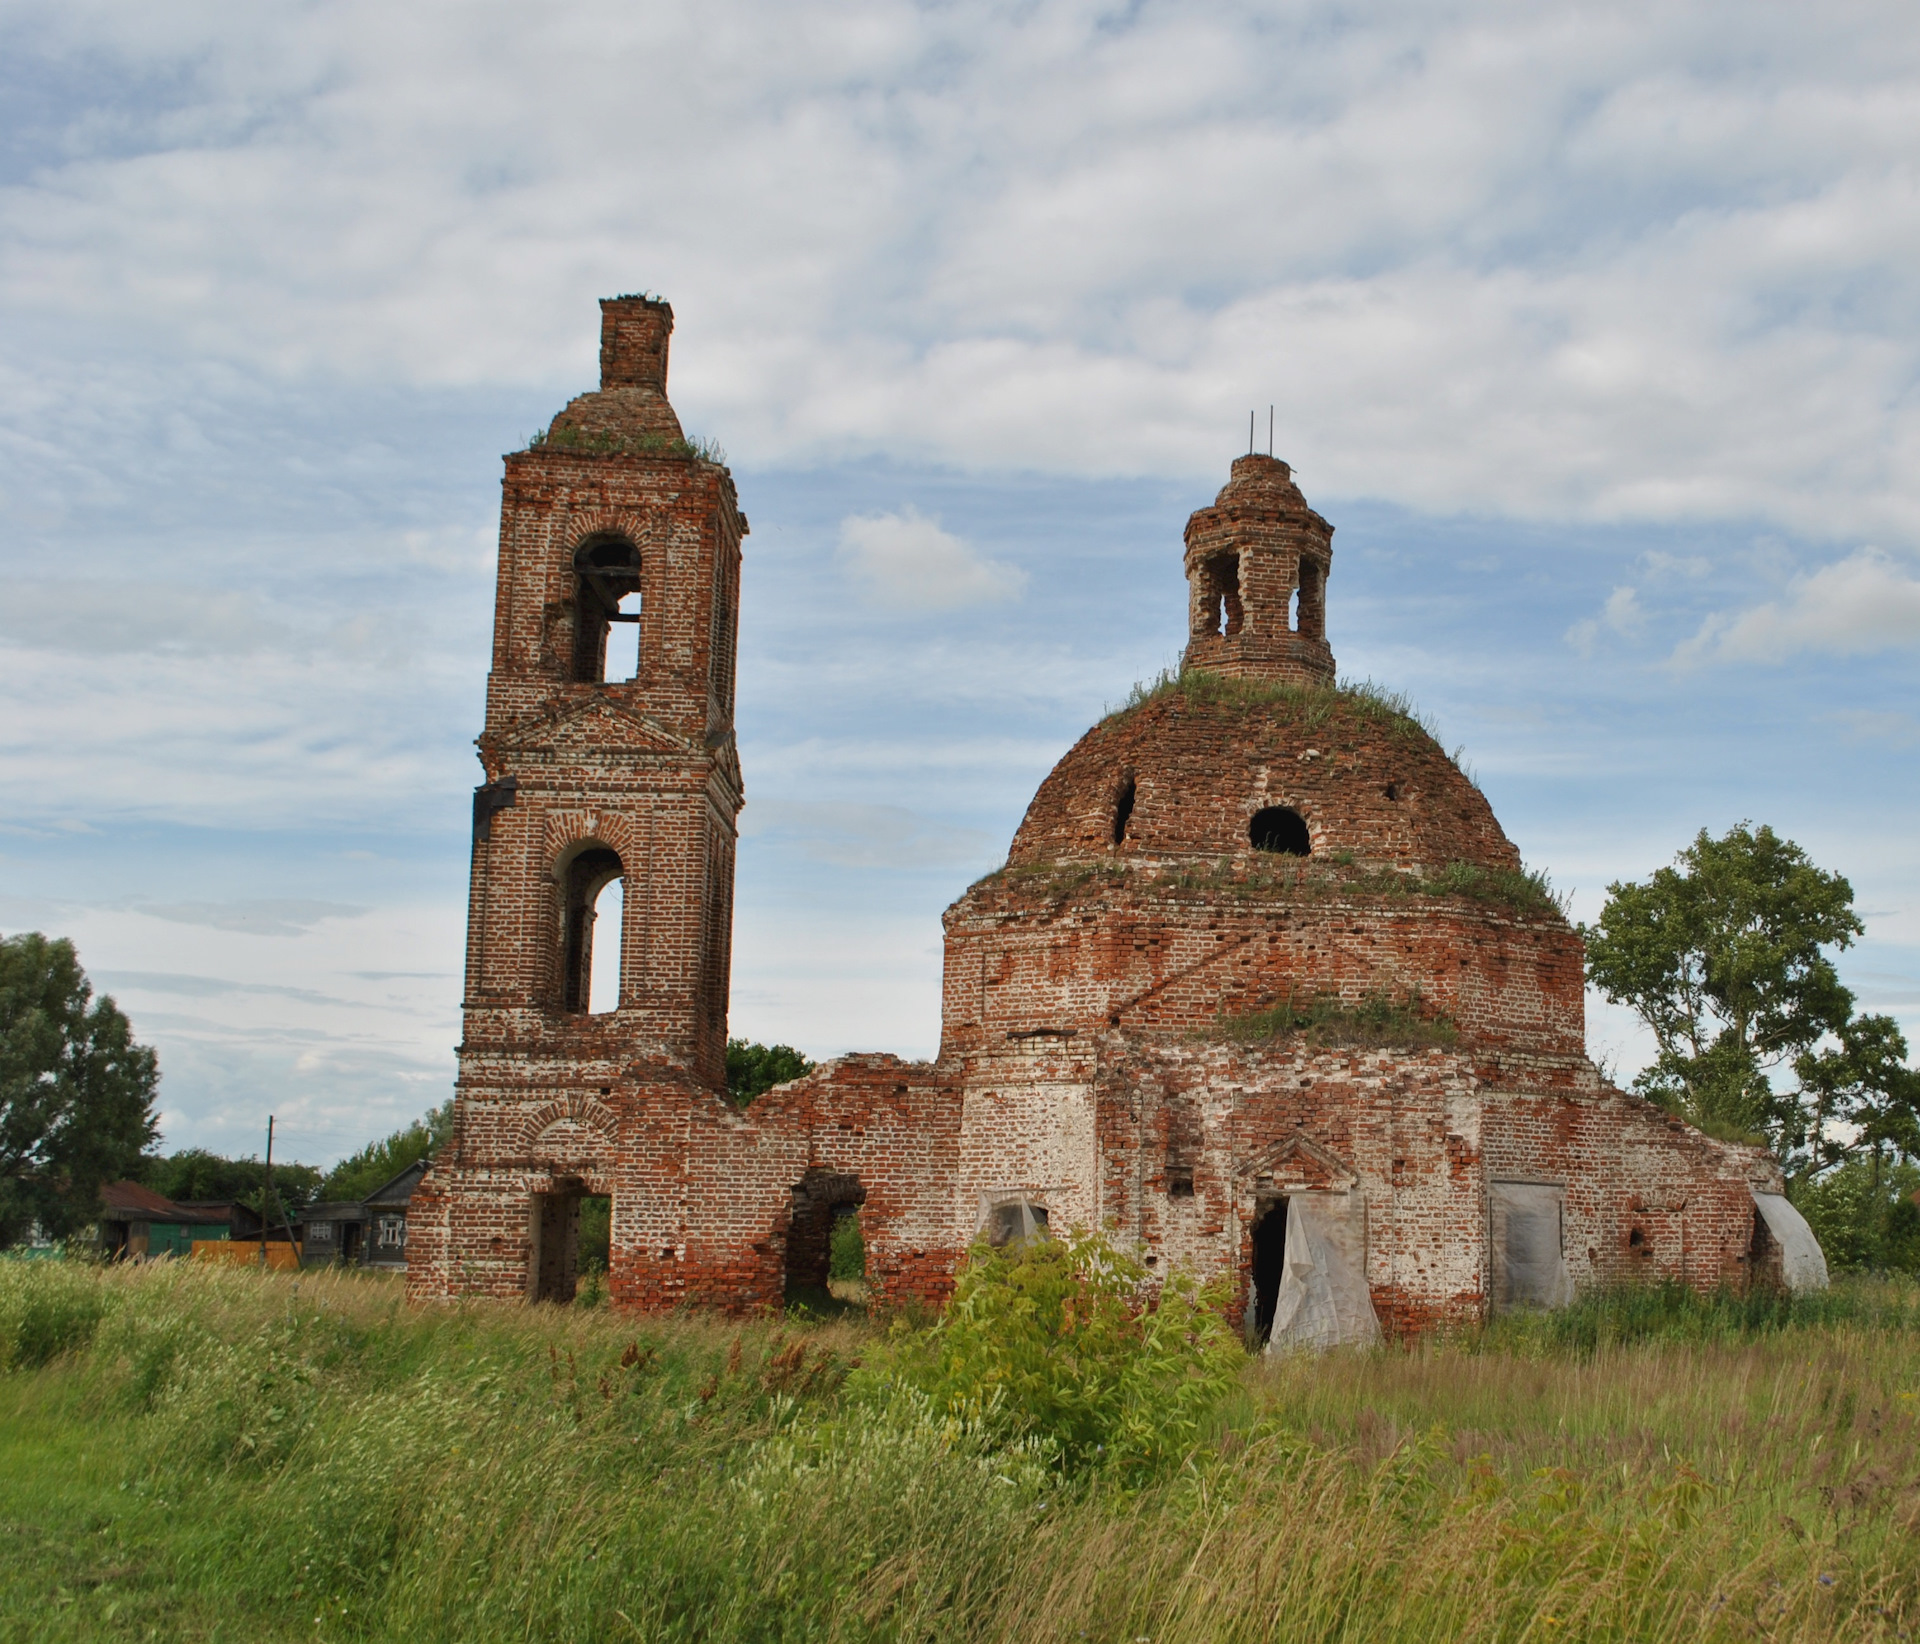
{"points": [[603, 970], [1123, 808], [1279, 828], [588, 876]]}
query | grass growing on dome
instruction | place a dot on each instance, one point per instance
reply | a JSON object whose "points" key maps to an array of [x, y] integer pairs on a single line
{"points": [[1377, 1021], [1528, 889], [1311, 705]]}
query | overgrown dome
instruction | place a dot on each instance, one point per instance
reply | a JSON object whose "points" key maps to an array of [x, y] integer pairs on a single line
{"points": [[1200, 766]]}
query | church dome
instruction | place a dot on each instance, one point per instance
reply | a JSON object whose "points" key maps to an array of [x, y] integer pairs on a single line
{"points": [[1247, 833], [1197, 769]]}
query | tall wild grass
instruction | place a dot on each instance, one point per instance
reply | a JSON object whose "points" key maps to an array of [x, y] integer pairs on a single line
{"points": [[209, 1452]]}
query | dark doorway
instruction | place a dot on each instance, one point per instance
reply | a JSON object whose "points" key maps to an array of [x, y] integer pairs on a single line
{"points": [[1279, 829], [554, 1264], [820, 1199], [1269, 1256]]}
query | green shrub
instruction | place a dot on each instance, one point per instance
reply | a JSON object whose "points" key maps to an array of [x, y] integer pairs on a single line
{"points": [[1051, 1342]]}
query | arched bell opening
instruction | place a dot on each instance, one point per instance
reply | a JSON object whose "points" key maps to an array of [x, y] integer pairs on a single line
{"points": [[606, 595]]}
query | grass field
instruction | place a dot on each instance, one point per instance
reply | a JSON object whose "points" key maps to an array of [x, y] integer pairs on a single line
{"points": [[192, 1453]]}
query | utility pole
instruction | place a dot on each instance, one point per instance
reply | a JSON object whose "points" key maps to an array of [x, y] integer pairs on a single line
{"points": [[266, 1196]]}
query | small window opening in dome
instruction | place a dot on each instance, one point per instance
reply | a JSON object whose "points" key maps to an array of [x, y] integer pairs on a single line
{"points": [[1636, 1238], [1179, 1183], [1123, 810], [1280, 829], [1392, 790], [1311, 605], [1293, 612]]}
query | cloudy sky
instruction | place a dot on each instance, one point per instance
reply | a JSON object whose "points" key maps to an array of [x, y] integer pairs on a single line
{"points": [[1593, 329]]}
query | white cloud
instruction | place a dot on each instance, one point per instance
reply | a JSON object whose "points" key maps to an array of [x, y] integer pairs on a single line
{"points": [[1865, 602], [271, 916], [1553, 260], [1622, 614], [906, 561]]}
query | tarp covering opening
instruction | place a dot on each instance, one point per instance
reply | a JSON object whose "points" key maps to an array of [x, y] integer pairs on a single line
{"points": [[1528, 1245], [1803, 1264], [1324, 1300]]}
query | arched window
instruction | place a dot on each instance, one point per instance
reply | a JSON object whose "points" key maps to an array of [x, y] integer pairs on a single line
{"points": [[590, 874], [1278, 828], [606, 592], [1220, 610], [1123, 808], [603, 970]]}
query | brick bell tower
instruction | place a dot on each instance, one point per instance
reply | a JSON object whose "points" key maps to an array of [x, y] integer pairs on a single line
{"points": [[609, 756], [1257, 565]]}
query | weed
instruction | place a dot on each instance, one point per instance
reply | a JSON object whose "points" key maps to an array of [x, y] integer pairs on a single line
{"points": [[606, 442], [1378, 1020]]}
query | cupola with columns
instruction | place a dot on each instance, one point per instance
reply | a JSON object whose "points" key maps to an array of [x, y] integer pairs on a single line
{"points": [[1257, 565]]}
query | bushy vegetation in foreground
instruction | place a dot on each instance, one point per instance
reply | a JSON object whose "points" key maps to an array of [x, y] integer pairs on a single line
{"points": [[195, 1452]]}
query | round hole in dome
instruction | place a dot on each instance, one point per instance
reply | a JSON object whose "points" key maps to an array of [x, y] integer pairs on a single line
{"points": [[1279, 828]]}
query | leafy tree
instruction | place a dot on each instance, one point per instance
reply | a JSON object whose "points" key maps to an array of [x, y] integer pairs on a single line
{"points": [[378, 1163], [1726, 957], [76, 1092], [194, 1174], [753, 1069], [1864, 1214]]}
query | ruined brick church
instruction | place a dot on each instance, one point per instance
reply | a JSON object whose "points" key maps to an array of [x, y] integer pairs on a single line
{"points": [[1250, 839]]}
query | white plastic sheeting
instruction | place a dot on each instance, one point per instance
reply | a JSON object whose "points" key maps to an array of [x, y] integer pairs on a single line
{"points": [[1803, 1264], [1013, 1222], [1323, 1299], [1528, 1245]]}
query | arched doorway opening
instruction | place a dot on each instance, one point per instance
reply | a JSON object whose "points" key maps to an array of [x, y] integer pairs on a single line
{"points": [[571, 1232], [823, 1200]]}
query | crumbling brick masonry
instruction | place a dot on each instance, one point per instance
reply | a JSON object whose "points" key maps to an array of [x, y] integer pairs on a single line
{"points": [[1247, 838]]}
